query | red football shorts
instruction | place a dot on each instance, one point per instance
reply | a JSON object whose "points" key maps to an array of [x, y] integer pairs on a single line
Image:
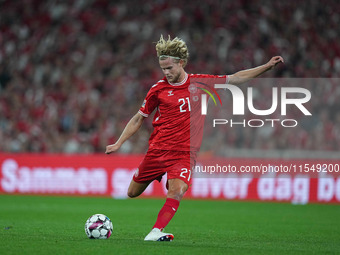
{"points": [[177, 165]]}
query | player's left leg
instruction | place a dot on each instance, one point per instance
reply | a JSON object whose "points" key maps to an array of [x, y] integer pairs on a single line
{"points": [[176, 191]]}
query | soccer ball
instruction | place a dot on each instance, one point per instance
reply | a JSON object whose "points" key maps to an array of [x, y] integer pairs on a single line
{"points": [[98, 226]]}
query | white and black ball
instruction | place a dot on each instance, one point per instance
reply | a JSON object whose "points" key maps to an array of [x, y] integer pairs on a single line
{"points": [[98, 226]]}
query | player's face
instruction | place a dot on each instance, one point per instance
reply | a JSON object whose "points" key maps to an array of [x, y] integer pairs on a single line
{"points": [[173, 71]]}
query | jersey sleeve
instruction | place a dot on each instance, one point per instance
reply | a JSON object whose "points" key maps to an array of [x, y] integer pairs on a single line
{"points": [[209, 81], [149, 104]]}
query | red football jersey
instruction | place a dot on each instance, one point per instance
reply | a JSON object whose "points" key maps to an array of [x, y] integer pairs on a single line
{"points": [[178, 119]]}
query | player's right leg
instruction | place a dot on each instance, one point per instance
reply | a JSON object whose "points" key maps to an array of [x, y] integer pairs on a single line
{"points": [[148, 171], [135, 188]]}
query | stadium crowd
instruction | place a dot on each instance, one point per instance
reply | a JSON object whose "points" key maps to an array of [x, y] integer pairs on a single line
{"points": [[72, 73]]}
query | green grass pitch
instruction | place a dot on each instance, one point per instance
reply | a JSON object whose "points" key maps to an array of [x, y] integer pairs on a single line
{"points": [[55, 225]]}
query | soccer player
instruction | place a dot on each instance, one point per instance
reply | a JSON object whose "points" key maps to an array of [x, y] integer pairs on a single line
{"points": [[169, 145]]}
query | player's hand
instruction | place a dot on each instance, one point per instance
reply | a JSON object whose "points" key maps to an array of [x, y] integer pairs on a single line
{"points": [[112, 148], [274, 61]]}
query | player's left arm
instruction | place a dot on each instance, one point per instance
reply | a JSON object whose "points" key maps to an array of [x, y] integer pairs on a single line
{"points": [[248, 74]]}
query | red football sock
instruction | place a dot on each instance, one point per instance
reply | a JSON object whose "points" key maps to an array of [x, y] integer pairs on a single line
{"points": [[166, 213]]}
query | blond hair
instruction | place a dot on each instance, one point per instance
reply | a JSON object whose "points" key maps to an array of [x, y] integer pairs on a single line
{"points": [[175, 48]]}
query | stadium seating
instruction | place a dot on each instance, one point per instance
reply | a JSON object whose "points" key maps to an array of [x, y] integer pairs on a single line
{"points": [[72, 73]]}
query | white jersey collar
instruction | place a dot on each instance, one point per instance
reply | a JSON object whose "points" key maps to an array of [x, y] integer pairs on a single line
{"points": [[180, 83]]}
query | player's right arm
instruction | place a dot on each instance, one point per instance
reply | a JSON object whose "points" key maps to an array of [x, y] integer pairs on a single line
{"points": [[131, 128]]}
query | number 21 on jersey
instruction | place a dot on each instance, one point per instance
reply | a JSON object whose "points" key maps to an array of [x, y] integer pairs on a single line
{"points": [[185, 173], [184, 101]]}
